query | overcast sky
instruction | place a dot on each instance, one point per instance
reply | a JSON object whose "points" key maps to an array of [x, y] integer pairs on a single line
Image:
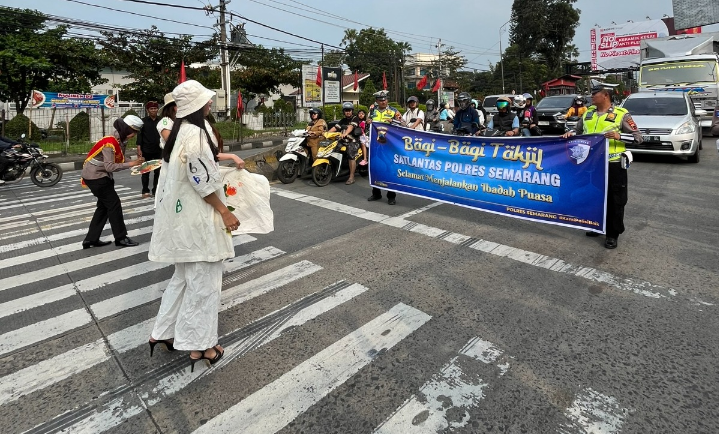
{"points": [[473, 26]]}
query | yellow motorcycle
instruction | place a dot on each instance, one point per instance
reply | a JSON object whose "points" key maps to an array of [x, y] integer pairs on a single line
{"points": [[332, 161]]}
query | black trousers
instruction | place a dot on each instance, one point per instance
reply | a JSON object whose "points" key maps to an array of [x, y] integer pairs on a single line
{"points": [[617, 195], [376, 192], [108, 208], [146, 176]]}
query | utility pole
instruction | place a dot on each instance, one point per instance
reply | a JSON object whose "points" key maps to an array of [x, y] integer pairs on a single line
{"points": [[224, 58], [501, 53], [439, 73]]}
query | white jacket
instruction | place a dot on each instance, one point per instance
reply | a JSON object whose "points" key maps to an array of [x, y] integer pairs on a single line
{"points": [[186, 228]]}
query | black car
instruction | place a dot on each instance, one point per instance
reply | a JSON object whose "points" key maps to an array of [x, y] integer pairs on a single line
{"points": [[551, 111]]}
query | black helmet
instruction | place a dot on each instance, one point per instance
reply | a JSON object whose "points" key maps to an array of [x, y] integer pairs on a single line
{"points": [[579, 99], [463, 100], [429, 104], [348, 106], [318, 112]]}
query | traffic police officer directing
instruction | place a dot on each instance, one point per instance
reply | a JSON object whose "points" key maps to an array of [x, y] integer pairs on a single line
{"points": [[603, 117]]}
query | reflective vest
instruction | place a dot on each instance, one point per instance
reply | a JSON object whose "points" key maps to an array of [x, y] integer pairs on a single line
{"points": [[609, 121], [384, 116]]}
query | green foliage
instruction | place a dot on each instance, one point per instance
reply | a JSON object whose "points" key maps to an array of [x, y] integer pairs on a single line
{"points": [[35, 57], [397, 106], [545, 28], [130, 112], [18, 126], [80, 127], [152, 60], [371, 50], [366, 97], [334, 112], [264, 70]]}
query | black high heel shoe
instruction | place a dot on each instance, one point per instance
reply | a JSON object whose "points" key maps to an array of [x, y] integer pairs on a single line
{"points": [[210, 360], [167, 343]]}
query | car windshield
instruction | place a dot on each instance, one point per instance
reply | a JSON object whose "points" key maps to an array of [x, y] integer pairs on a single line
{"points": [[657, 106], [556, 102], [490, 101], [677, 73]]}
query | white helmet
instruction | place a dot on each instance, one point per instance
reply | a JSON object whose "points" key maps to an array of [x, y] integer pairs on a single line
{"points": [[520, 101], [133, 122]]}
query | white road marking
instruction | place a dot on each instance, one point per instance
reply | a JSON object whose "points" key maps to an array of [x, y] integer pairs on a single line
{"points": [[274, 406], [414, 212], [452, 389], [129, 300], [61, 250], [42, 330], [65, 365], [593, 413], [643, 288], [54, 198]]}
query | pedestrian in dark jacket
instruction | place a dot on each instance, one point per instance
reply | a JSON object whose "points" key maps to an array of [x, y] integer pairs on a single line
{"points": [[148, 146]]}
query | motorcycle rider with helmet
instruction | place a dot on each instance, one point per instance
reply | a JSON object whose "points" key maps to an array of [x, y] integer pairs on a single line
{"points": [[528, 115], [315, 130], [577, 109], [466, 118], [432, 116], [413, 117], [505, 120], [348, 126], [480, 111]]}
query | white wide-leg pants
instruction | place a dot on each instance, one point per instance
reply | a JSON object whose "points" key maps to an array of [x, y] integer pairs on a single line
{"points": [[189, 309]]}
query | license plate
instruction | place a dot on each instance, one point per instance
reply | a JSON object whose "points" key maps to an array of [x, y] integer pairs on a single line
{"points": [[543, 122], [652, 139]]}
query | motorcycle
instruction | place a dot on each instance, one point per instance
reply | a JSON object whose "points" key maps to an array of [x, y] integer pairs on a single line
{"points": [[26, 155], [332, 160], [296, 161], [571, 123]]}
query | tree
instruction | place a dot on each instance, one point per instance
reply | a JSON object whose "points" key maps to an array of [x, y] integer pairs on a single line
{"points": [[152, 60], [371, 50], [545, 27], [263, 70], [366, 97], [334, 59], [34, 57]]}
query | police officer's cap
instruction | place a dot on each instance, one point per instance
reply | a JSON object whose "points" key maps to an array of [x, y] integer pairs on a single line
{"points": [[381, 95], [600, 87]]}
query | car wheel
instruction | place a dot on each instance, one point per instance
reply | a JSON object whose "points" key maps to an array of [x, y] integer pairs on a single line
{"points": [[694, 158]]}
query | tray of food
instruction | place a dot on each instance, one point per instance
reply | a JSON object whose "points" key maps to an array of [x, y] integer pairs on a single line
{"points": [[147, 166]]}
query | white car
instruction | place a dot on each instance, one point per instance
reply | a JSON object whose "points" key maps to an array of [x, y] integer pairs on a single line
{"points": [[668, 122]]}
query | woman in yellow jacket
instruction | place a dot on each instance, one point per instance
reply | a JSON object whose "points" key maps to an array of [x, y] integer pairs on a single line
{"points": [[577, 109]]}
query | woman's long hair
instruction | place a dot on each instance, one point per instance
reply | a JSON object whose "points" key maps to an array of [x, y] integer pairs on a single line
{"points": [[197, 119], [123, 130], [168, 110]]}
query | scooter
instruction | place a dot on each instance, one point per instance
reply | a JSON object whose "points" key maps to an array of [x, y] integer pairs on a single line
{"points": [[332, 160], [571, 123], [296, 161]]}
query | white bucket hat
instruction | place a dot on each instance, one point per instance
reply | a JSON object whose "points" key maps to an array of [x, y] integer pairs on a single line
{"points": [[133, 122], [190, 96], [168, 98]]}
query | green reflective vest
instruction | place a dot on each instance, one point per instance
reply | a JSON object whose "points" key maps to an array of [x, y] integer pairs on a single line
{"points": [[610, 121]]}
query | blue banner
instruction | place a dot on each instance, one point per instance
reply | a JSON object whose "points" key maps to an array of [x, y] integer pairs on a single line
{"points": [[545, 179], [40, 99]]}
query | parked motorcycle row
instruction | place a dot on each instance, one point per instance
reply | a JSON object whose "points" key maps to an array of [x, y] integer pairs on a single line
{"points": [[24, 156]]}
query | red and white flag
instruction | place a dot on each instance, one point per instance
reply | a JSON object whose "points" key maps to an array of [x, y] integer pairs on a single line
{"points": [[356, 82], [437, 85], [384, 81], [422, 83], [318, 80], [240, 104]]}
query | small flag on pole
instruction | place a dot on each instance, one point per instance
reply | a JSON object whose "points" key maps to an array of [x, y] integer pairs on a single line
{"points": [[318, 80], [356, 82], [437, 85], [422, 83], [240, 105], [183, 77], [384, 81]]}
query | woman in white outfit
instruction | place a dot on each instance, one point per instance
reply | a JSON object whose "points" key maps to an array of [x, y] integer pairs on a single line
{"points": [[191, 230]]}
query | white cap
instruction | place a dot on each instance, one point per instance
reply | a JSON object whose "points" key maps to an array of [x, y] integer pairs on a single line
{"points": [[133, 122], [190, 96]]}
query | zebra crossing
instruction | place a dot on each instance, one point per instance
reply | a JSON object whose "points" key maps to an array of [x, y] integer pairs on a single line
{"points": [[99, 306]]}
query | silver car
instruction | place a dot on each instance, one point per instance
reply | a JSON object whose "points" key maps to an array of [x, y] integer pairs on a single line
{"points": [[669, 123]]}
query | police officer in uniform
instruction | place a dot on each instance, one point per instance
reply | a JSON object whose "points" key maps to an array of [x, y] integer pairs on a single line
{"points": [[618, 126], [382, 112]]}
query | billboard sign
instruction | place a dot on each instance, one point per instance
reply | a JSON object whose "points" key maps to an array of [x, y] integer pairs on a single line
{"points": [[40, 99], [332, 85], [617, 47], [311, 93]]}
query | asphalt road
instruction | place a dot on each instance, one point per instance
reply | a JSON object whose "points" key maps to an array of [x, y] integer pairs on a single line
{"points": [[361, 317]]}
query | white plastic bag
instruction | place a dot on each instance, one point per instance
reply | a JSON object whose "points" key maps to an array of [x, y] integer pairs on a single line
{"points": [[248, 197]]}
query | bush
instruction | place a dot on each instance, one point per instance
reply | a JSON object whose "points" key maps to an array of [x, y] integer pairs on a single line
{"points": [[18, 126], [130, 112], [80, 127], [334, 112]]}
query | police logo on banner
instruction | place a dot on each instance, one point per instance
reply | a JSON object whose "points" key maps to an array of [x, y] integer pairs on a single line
{"points": [[381, 134], [578, 150]]}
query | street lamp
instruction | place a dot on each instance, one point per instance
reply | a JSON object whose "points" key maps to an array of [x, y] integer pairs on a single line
{"points": [[501, 56]]}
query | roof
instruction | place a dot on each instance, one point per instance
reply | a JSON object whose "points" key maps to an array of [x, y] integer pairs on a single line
{"points": [[349, 79]]}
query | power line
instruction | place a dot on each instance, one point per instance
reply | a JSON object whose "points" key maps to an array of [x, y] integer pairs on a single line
{"points": [[282, 31], [138, 14], [206, 9]]}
